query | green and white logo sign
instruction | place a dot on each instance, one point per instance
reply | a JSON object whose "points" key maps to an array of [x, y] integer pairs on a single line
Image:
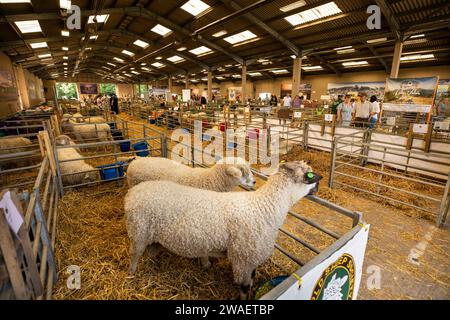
{"points": [[337, 280]]}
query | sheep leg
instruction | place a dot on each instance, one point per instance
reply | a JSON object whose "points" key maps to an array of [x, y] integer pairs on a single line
{"points": [[154, 249], [243, 275], [136, 250], [205, 262]]}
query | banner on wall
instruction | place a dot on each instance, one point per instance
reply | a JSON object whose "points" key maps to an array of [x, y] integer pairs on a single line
{"points": [[234, 93], [304, 90], [88, 88], [410, 94], [443, 91], [7, 86], [31, 89], [353, 88]]}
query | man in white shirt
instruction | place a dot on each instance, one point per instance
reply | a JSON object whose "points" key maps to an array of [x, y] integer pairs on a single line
{"points": [[361, 111], [287, 101], [374, 111]]}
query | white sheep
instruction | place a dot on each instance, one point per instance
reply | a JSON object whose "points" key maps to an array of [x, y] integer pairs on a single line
{"points": [[78, 170], [222, 177], [64, 140], [14, 144], [98, 131], [197, 223]]}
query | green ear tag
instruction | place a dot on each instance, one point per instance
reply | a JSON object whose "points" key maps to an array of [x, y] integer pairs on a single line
{"points": [[310, 175]]}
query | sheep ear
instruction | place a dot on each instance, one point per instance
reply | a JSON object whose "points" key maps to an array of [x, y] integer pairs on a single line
{"points": [[234, 172]]}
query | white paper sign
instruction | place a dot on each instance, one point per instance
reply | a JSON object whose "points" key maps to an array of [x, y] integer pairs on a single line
{"points": [[186, 95], [420, 128], [302, 106], [325, 97], [12, 214], [328, 117], [247, 109], [297, 114]]}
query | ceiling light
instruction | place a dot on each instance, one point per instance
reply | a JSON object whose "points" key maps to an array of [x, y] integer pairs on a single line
{"points": [[29, 26], [132, 68], [312, 68], [343, 48], [141, 44], [345, 51], [15, 1], [65, 64], [118, 59], [100, 18], [158, 65], [376, 40], [240, 37], [236, 75], [111, 64], [293, 6], [88, 48], [65, 4], [416, 41], [38, 45], [195, 7], [146, 69], [66, 58], [255, 74], [417, 57], [143, 64], [417, 36], [319, 12], [175, 59], [65, 48], [128, 53], [105, 67], [220, 33], [93, 37], [293, 56], [158, 58], [160, 29], [355, 63], [281, 71], [135, 72], [193, 80], [45, 55], [200, 50], [181, 49], [220, 78], [65, 33]]}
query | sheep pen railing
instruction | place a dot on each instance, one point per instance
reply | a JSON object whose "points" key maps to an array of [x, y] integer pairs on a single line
{"points": [[32, 273], [384, 170], [308, 261]]}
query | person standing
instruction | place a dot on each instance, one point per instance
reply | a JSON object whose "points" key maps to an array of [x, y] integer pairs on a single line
{"points": [[297, 102], [287, 101], [344, 112], [374, 111], [362, 111], [336, 103], [114, 101], [273, 100]]}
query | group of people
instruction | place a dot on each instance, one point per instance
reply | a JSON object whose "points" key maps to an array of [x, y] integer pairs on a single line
{"points": [[102, 101], [362, 113]]}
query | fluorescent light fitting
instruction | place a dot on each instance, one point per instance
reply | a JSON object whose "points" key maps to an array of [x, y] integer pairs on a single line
{"points": [[65, 33], [343, 48], [240, 37], [220, 78], [293, 6], [158, 65], [316, 13], [65, 4], [66, 58], [38, 45], [141, 44], [417, 36], [220, 33], [118, 59], [280, 71], [377, 40], [28, 26], [417, 57], [94, 37], [195, 7], [175, 59], [128, 53], [160, 29], [181, 49], [255, 74], [355, 63], [346, 51], [312, 68], [65, 48], [111, 64], [45, 55]]}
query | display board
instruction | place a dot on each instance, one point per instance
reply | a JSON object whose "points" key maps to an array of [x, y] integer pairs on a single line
{"points": [[442, 92], [88, 88], [234, 93], [186, 95], [410, 94], [8, 89], [353, 88]]}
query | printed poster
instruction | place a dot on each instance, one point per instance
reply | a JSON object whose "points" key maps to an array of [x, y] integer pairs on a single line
{"points": [[353, 88], [7, 86], [88, 88]]}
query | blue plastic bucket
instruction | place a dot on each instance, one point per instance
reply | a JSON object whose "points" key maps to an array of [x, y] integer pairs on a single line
{"points": [[110, 171], [152, 121], [141, 145], [125, 146]]}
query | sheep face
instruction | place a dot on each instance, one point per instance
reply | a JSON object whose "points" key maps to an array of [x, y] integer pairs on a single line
{"points": [[63, 140], [90, 177], [241, 174], [301, 173]]}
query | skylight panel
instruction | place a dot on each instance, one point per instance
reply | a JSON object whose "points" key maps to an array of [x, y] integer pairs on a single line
{"points": [[175, 59], [319, 12], [141, 44], [15, 1], [240, 37], [158, 65], [100, 18], [293, 6], [65, 4], [29, 26], [160, 29], [200, 50], [417, 57], [195, 7]]}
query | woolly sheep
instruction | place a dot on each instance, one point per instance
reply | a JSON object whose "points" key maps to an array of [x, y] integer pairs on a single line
{"points": [[64, 140], [14, 144], [197, 223], [222, 177], [78, 171], [101, 131]]}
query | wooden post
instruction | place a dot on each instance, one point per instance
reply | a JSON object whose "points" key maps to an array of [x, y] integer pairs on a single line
{"points": [[396, 59]]}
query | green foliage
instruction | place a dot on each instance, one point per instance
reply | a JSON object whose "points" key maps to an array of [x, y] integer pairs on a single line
{"points": [[107, 88], [66, 90]]}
